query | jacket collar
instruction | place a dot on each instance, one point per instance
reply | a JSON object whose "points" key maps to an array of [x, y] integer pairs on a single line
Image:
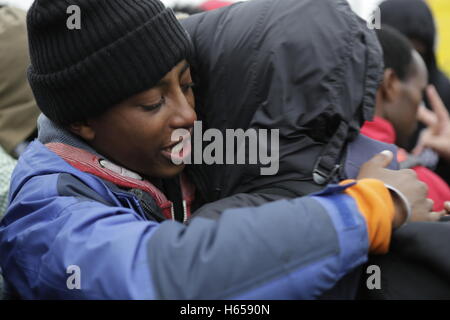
{"points": [[50, 132], [379, 129]]}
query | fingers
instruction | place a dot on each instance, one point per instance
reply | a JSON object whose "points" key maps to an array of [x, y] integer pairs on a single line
{"points": [[433, 143], [436, 216], [426, 116], [421, 145], [382, 160], [428, 139], [434, 98], [438, 105], [430, 204], [418, 149], [447, 207]]}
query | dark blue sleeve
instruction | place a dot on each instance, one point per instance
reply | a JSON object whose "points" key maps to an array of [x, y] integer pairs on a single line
{"points": [[282, 250], [295, 249]]}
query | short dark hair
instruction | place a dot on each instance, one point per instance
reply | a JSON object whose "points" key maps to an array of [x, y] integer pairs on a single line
{"points": [[397, 51]]}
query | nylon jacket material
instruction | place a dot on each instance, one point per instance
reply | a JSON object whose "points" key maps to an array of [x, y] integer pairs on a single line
{"points": [[417, 265], [61, 220], [305, 67]]}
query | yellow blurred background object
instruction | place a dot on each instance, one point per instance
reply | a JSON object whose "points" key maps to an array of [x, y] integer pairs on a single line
{"points": [[441, 11]]}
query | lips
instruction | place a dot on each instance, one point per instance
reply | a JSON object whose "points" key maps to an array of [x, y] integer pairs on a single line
{"points": [[179, 151]]}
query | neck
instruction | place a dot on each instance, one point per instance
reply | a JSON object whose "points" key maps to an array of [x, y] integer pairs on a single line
{"points": [[379, 102]]}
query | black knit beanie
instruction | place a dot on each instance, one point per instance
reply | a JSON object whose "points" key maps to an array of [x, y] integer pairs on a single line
{"points": [[124, 47]]}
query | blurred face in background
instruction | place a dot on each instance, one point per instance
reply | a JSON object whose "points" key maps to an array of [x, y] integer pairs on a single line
{"points": [[403, 98]]}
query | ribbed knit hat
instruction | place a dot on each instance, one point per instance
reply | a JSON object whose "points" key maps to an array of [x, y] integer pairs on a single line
{"points": [[124, 47]]}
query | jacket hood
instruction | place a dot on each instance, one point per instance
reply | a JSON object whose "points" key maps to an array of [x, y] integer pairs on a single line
{"points": [[301, 66]]}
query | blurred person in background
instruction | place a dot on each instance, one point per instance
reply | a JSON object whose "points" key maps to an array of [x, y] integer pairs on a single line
{"points": [[214, 4], [7, 164], [437, 134], [398, 99], [414, 19], [18, 110], [417, 265], [185, 10]]}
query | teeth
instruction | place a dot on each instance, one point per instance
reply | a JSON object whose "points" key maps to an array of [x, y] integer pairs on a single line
{"points": [[177, 148]]}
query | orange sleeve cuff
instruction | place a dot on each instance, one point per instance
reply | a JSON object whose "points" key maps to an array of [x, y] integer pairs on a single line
{"points": [[375, 204]]}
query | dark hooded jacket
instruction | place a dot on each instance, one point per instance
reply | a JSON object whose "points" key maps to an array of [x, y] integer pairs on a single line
{"points": [[309, 68], [415, 20], [268, 64]]}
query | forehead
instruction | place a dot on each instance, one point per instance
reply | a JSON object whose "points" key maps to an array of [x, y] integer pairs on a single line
{"points": [[420, 72]]}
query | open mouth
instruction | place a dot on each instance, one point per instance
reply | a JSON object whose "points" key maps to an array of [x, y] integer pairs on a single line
{"points": [[179, 151]]}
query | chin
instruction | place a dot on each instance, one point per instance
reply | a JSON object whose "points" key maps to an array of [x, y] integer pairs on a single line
{"points": [[171, 171]]}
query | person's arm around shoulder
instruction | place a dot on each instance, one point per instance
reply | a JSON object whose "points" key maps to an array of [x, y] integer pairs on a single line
{"points": [[288, 249]]}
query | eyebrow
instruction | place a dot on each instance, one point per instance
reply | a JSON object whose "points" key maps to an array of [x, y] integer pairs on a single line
{"points": [[162, 83]]}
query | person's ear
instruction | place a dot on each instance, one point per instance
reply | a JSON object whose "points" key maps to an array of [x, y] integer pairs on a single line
{"points": [[390, 85], [83, 130]]}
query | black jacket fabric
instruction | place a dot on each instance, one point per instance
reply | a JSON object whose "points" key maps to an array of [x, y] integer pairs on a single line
{"points": [[304, 67], [266, 64], [417, 265]]}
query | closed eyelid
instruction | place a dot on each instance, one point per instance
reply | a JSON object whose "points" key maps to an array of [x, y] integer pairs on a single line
{"points": [[184, 69], [153, 106]]}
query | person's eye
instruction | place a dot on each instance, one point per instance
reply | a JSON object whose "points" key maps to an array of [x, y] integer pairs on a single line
{"points": [[154, 107], [187, 87]]}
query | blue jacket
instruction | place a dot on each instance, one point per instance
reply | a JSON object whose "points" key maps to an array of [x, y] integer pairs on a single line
{"points": [[60, 217]]}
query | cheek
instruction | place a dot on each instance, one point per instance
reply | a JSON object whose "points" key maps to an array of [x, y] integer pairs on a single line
{"points": [[410, 115], [149, 132], [137, 134], [414, 102], [191, 99]]}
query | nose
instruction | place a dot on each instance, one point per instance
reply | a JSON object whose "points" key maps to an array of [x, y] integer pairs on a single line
{"points": [[184, 114]]}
